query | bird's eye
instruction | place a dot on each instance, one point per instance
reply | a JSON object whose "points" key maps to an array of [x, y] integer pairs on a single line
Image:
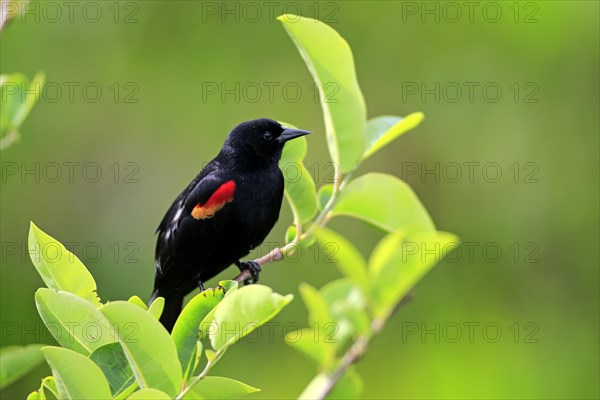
{"points": [[268, 136]]}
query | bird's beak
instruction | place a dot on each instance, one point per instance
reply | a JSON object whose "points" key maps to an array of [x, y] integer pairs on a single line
{"points": [[291, 133]]}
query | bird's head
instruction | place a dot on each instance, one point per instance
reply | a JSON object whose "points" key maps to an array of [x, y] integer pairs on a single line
{"points": [[262, 139]]}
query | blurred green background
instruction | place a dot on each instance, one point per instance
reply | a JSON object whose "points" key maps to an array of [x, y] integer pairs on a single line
{"points": [[528, 318]]}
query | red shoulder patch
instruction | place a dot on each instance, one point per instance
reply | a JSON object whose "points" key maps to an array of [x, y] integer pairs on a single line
{"points": [[221, 196]]}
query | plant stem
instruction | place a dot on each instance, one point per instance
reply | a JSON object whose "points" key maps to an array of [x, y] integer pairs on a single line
{"points": [[356, 351], [350, 357], [7, 140], [359, 347], [322, 219], [207, 367]]}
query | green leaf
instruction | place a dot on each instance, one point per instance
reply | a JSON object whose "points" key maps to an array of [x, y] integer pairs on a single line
{"points": [[347, 305], [385, 202], [318, 309], [138, 302], [300, 189], [314, 345], [308, 242], [210, 355], [217, 388], [76, 376], [18, 98], [197, 354], [17, 361], [128, 391], [229, 285], [337, 310], [290, 234], [34, 396], [325, 193], [305, 243], [147, 345], [186, 329], [112, 361], [59, 268], [48, 388], [346, 257], [74, 322], [12, 100], [349, 386], [243, 311], [149, 394], [385, 129], [343, 290], [329, 60], [399, 262], [157, 307]]}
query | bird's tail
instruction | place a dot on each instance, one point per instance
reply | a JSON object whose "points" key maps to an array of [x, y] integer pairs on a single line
{"points": [[173, 306]]}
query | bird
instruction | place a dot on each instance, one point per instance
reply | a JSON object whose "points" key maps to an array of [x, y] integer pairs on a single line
{"points": [[227, 210]]}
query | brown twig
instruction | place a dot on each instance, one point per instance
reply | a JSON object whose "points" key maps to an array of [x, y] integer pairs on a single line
{"points": [[358, 348], [274, 255], [321, 220]]}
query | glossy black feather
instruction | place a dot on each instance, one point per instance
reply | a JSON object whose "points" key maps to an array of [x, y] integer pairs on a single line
{"points": [[189, 250]]}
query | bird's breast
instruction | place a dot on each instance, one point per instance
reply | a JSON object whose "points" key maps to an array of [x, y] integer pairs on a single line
{"points": [[258, 202]]}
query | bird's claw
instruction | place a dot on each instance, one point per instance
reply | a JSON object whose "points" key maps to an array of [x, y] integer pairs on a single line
{"points": [[200, 285], [253, 268]]}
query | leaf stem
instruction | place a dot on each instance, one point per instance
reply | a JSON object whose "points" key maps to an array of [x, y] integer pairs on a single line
{"points": [[323, 217], [201, 375]]}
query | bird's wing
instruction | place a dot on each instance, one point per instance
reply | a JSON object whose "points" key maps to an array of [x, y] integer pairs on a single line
{"points": [[201, 200], [209, 196]]}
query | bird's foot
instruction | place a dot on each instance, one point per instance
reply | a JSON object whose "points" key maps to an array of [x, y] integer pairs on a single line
{"points": [[252, 267], [200, 285]]}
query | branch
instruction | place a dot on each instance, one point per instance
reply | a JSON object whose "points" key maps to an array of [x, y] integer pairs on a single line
{"points": [[274, 255], [321, 220], [359, 347], [351, 356], [357, 350]]}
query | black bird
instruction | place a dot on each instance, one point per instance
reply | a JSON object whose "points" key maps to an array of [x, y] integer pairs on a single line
{"points": [[227, 210]]}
